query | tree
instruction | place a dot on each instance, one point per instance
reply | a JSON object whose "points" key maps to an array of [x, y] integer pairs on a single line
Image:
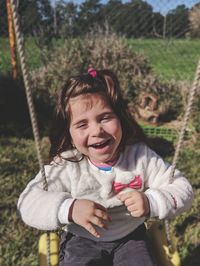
{"points": [[111, 12], [89, 15], [3, 19], [177, 22], [36, 16], [66, 14], [157, 28], [194, 19], [136, 19]]}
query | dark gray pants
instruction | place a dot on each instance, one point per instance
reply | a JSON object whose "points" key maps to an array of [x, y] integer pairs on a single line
{"points": [[131, 250]]}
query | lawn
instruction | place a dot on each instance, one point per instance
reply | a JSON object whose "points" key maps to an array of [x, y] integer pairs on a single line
{"points": [[170, 59], [33, 55]]}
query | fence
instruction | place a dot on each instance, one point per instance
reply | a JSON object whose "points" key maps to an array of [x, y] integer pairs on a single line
{"points": [[164, 132]]}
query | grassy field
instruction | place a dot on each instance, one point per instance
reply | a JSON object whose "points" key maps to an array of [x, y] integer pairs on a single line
{"points": [[33, 55], [170, 59]]}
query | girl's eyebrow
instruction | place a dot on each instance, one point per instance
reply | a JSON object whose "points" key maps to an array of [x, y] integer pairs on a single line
{"points": [[79, 122], [98, 116], [106, 113]]}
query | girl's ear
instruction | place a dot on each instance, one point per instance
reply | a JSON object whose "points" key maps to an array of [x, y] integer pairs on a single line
{"points": [[73, 144]]}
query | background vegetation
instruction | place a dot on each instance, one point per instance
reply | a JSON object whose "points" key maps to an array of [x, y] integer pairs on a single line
{"points": [[149, 51], [134, 19]]}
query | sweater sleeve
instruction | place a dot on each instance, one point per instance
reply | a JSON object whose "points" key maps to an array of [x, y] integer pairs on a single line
{"points": [[167, 199], [39, 208], [63, 213]]}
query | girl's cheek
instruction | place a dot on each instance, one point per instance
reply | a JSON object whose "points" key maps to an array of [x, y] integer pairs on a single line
{"points": [[81, 137]]}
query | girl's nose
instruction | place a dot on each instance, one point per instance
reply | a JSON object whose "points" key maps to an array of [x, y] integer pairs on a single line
{"points": [[97, 129]]}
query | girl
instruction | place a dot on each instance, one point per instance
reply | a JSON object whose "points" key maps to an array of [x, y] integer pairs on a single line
{"points": [[103, 180]]}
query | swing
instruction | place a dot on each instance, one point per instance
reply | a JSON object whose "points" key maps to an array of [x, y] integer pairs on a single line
{"points": [[159, 233]]}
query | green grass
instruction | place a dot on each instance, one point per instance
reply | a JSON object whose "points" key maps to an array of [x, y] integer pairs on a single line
{"points": [[32, 52], [18, 242], [18, 164], [4, 55], [170, 59]]}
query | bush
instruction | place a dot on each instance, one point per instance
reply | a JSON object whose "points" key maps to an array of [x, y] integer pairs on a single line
{"points": [[107, 50]]}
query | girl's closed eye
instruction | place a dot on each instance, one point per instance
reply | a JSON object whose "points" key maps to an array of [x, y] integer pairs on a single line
{"points": [[108, 117], [81, 125]]}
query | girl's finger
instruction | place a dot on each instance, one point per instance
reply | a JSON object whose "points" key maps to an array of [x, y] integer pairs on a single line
{"points": [[131, 208], [136, 213], [98, 222], [129, 201], [103, 215], [90, 228], [100, 207], [125, 196]]}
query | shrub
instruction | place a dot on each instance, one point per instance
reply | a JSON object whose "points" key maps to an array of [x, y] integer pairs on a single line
{"points": [[107, 50]]}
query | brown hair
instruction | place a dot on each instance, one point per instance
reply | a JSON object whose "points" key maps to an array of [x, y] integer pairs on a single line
{"points": [[106, 83]]}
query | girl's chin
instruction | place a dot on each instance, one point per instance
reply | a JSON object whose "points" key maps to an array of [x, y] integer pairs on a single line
{"points": [[104, 154], [105, 159]]}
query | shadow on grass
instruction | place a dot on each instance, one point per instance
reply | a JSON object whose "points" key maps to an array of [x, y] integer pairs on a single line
{"points": [[194, 258], [161, 146], [180, 229], [14, 113]]}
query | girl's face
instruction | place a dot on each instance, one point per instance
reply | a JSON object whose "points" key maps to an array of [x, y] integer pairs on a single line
{"points": [[94, 128]]}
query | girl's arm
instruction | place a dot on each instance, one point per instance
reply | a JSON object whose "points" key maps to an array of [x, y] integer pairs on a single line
{"points": [[165, 199], [39, 208]]}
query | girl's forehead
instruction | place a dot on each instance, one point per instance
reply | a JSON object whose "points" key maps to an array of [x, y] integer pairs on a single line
{"points": [[89, 100]]}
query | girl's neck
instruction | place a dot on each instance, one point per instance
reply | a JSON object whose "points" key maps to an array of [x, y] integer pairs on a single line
{"points": [[104, 164]]}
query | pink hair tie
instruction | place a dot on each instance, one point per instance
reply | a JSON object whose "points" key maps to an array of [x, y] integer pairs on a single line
{"points": [[92, 72]]}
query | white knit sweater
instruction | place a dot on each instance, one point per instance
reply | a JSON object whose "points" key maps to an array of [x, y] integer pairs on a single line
{"points": [[67, 180]]}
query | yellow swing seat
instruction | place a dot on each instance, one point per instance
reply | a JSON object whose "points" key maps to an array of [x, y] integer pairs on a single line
{"points": [[163, 254], [54, 249]]}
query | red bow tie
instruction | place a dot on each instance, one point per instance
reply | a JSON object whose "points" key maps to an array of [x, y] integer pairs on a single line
{"points": [[136, 183]]}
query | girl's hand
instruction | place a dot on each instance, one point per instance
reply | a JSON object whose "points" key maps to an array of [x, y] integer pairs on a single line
{"points": [[88, 213], [136, 202]]}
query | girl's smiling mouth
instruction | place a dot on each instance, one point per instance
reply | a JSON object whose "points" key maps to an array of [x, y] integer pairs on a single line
{"points": [[100, 145]]}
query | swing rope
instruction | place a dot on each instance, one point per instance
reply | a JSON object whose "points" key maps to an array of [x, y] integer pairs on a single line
{"points": [[26, 78], [192, 93]]}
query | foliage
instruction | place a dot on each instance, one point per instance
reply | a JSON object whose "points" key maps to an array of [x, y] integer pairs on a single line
{"points": [[194, 18], [35, 16], [66, 16], [18, 162], [187, 227], [4, 55], [170, 59], [46, 19], [196, 114], [130, 59], [18, 242], [177, 22]]}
